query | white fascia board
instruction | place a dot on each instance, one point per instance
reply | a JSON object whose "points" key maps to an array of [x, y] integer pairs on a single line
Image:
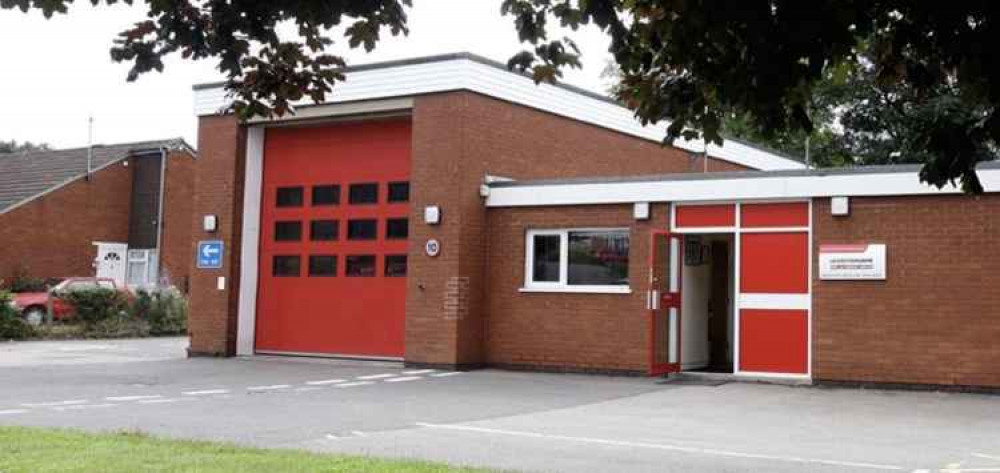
{"points": [[407, 80], [752, 188]]}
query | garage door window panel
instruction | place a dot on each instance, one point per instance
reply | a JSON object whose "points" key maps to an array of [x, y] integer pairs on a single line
{"points": [[362, 266], [363, 194], [399, 192], [366, 229], [395, 266], [287, 231], [397, 228], [326, 195], [322, 265], [285, 266], [586, 260], [289, 197], [324, 230]]}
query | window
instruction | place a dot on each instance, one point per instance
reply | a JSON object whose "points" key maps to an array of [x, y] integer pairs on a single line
{"points": [[322, 266], [361, 266], [363, 193], [361, 230], [286, 266], [287, 231], [289, 197], [399, 192], [395, 266], [397, 228], [326, 195], [324, 230], [577, 260]]}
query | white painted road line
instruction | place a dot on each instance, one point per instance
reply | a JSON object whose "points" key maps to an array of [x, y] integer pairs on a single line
{"points": [[659, 446], [988, 457], [400, 380], [206, 392], [376, 376], [419, 371], [351, 385], [82, 407], [325, 382], [450, 373], [273, 387], [167, 400], [10, 412], [54, 404], [131, 398], [306, 389]]}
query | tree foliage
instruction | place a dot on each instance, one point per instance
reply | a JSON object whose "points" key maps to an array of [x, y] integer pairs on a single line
{"points": [[696, 62], [13, 146], [264, 72]]}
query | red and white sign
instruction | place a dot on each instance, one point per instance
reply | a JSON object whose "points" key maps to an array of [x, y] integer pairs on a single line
{"points": [[864, 261]]}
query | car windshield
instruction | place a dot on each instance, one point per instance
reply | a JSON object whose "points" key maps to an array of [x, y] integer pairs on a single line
{"points": [[85, 285]]}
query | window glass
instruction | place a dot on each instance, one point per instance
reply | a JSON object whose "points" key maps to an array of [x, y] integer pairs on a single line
{"points": [[395, 266], [397, 228], [598, 258], [324, 230], [289, 197], [546, 258], [399, 192], [361, 265], [286, 266], [366, 193], [361, 230], [322, 265], [326, 195], [287, 231]]}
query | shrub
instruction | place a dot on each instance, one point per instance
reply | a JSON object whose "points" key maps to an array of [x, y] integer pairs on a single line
{"points": [[119, 325], [24, 283], [165, 310], [96, 305], [11, 325]]}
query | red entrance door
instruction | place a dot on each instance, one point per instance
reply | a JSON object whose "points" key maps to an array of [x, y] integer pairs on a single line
{"points": [[333, 249], [664, 303]]}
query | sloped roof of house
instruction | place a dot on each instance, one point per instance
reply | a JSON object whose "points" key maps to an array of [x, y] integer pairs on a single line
{"points": [[28, 175]]}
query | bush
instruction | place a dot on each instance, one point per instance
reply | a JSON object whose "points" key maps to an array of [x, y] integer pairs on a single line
{"points": [[165, 310], [24, 283], [11, 325], [119, 325], [96, 305]]}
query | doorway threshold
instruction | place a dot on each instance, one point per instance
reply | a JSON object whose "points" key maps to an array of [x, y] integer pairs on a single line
{"points": [[701, 378]]}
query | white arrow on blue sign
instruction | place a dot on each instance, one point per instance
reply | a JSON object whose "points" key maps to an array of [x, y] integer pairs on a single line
{"points": [[210, 254]]}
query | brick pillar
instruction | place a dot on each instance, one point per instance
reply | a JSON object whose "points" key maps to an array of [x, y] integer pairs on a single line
{"points": [[218, 190]]}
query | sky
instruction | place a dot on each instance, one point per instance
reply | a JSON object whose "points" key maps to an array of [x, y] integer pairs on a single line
{"points": [[56, 73]]}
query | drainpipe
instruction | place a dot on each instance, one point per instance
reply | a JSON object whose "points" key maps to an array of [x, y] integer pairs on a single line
{"points": [[90, 145]]}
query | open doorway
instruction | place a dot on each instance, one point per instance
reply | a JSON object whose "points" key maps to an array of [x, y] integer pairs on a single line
{"points": [[708, 321]]}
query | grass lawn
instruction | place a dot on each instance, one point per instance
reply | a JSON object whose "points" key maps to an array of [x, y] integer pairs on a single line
{"points": [[30, 450]]}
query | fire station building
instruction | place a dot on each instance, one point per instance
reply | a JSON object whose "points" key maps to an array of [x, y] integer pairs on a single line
{"points": [[446, 212]]}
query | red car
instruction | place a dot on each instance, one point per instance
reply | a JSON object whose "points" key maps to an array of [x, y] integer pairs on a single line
{"points": [[33, 305]]}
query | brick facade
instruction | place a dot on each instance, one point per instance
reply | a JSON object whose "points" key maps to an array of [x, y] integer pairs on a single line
{"points": [[52, 236], [178, 208], [936, 317]]}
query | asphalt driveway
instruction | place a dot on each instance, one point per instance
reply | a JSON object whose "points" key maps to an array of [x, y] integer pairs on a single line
{"points": [[506, 420]]}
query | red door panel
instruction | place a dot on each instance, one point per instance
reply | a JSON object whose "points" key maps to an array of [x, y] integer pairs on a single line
{"points": [[774, 341], [784, 214], [723, 215], [774, 263], [329, 311]]}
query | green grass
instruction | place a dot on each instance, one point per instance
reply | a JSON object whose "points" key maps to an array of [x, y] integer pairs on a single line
{"points": [[30, 450]]}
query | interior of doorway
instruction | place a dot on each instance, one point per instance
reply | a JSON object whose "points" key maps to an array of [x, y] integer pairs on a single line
{"points": [[707, 312]]}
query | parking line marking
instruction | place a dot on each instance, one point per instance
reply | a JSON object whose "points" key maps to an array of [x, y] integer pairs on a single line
{"points": [[10, 412], [131, 398], [400, 380], [658, 446], [988, 457], [272, 387], [324, 382], [85, 406], [305, 389], [376, 376], [205, 392], [54, 404], [358, 433], [419, 371], [166, 400], [450, 373], [350, 385]]}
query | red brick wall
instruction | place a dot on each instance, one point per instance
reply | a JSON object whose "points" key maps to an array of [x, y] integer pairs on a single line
{"points": [[218, 190], [599, 332], [53, 236], [936, 318], [457, 139], [178, 208]]}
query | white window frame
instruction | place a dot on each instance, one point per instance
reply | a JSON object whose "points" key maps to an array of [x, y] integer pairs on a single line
{"points": [[562, 285]]}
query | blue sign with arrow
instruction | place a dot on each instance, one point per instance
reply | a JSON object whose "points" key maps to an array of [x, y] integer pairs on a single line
{"points": [[210, 254]]}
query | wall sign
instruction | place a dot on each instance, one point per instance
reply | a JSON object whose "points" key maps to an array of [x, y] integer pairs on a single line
{"points": [[863, 261], [210, 254], [432, 247]]}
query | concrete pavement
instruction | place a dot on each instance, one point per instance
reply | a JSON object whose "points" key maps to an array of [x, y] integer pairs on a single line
{"points": [[506, 420]]}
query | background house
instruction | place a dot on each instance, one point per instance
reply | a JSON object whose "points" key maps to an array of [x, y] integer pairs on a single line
{"points": [[122, 210]]}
